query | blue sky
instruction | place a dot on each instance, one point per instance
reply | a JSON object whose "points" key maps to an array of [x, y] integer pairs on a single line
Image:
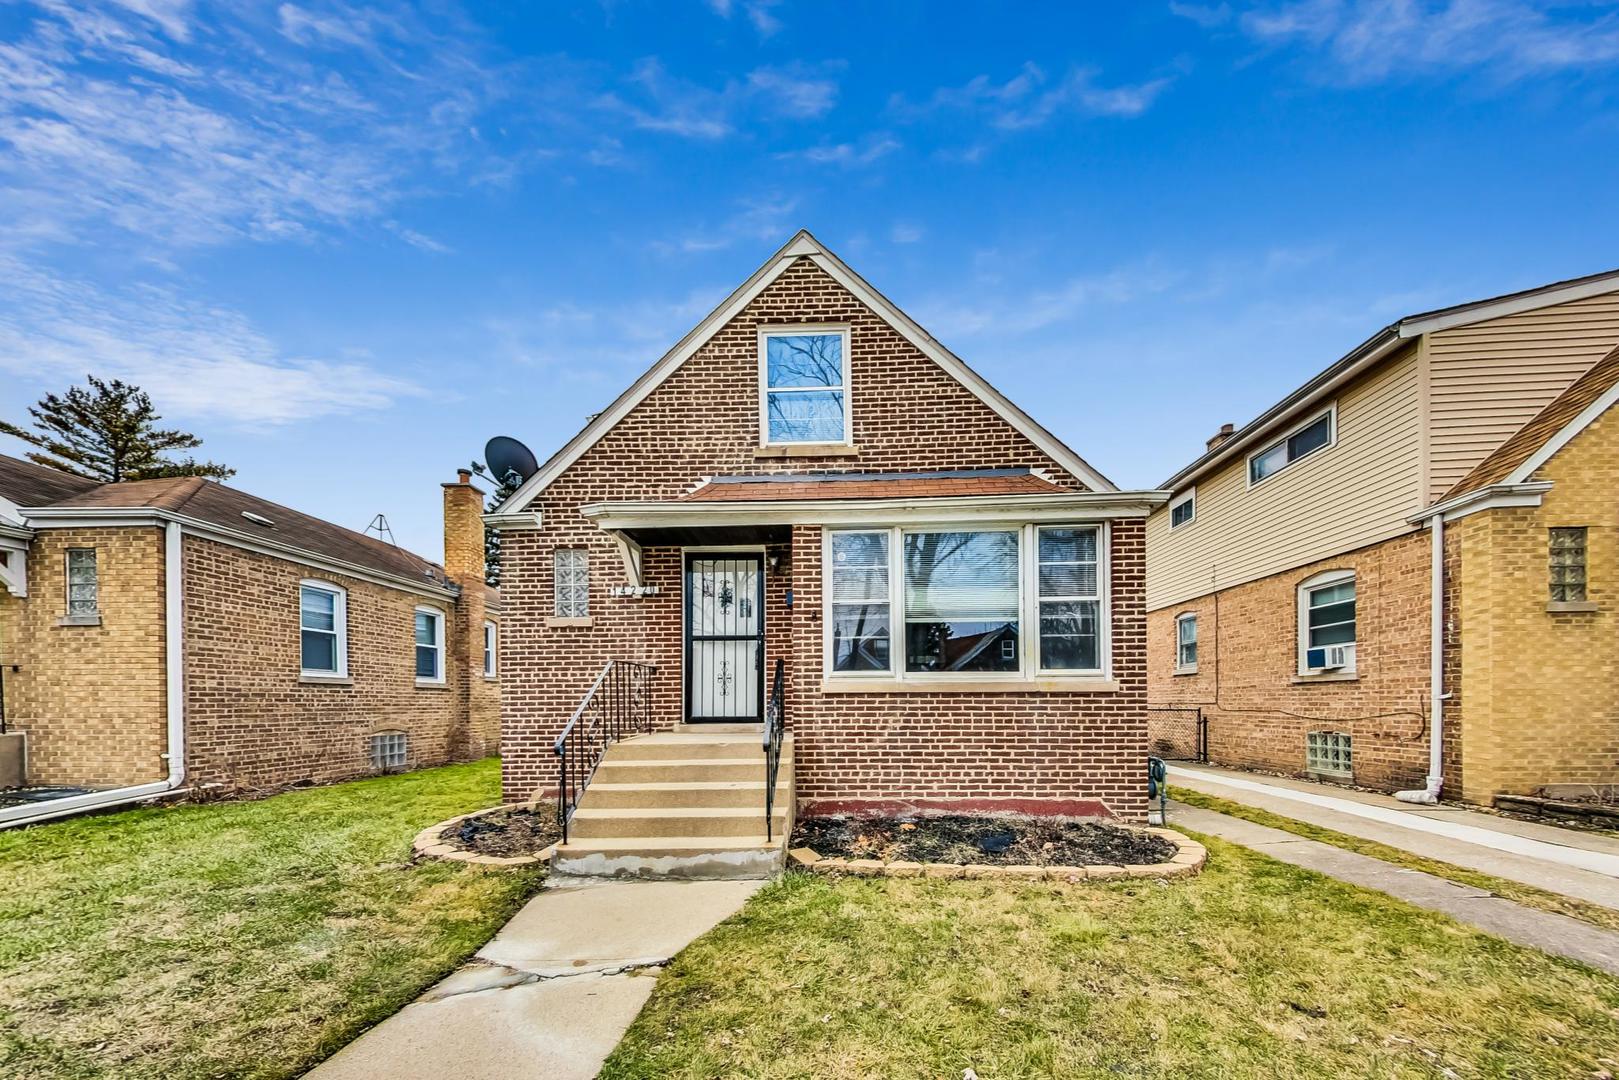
{"points": [[347, 243]]}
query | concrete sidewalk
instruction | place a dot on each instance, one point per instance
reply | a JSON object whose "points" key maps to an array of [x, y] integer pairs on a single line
{"points": [[1555, 934], [554, 991], [1576, 864]]}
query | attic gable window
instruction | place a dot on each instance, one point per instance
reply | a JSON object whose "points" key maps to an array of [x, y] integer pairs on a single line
{"points": [[803, 385]]}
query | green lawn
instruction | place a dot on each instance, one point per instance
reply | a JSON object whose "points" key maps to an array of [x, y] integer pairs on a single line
{"points": [[1253, 969], [246, 939]]}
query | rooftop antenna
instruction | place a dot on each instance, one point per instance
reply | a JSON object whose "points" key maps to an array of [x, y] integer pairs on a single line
{"points": [[379, 524]]}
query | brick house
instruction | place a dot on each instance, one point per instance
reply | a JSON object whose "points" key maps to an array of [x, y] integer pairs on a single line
{"points": [[175, 633], [1414, 550], [808, 482]]}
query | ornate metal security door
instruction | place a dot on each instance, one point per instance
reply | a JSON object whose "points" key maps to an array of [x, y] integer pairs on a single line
{"points": [[725, 638]]}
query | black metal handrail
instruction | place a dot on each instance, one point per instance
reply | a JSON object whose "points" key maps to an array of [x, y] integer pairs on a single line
{"points": [[618, 704], [775, 728]]}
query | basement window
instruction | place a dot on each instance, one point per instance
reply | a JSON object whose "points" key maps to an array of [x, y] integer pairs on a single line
{"points": [[1328, 753], [389, 750]]}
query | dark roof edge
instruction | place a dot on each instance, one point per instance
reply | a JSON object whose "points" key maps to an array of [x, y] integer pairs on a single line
{"points": [[825, 478]]}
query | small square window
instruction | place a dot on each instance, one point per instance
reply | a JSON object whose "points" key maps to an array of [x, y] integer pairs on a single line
{"points": [[1329, 753], [1183, 511], [1568, 564], [389, 750]]}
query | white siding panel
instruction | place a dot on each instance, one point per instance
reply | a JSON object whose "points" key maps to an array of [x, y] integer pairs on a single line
{"points": [[1491, 378], [1358, 492]]}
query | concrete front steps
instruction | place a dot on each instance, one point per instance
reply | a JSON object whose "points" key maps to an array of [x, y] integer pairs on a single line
{"points": [[685, 803]]}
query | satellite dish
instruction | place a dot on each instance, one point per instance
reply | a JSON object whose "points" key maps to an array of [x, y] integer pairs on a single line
{"points": [[505, 455]]}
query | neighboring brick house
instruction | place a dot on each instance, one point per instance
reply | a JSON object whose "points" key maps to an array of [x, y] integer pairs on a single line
{"points": [[809, 478], [1463, 453], [264, 645]]}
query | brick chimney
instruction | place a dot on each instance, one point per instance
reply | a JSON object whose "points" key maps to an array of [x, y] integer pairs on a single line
{"points": [[463, 565], [1225, 432]]}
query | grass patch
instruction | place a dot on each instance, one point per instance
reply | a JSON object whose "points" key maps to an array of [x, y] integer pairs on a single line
{"points": [[1527, 895], [1253, 968], [246, 939]]}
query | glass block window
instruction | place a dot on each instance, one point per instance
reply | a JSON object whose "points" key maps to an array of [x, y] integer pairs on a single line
{"points": [[1070, 599], [570, 575], [389, 750], [430, 644], [1568, 564], [1328, 752], [860, 602], [805, 379], [82, 582]]}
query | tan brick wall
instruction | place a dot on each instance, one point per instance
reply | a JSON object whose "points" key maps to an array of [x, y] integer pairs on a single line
{"points": [[907, 415], [1247, 679], [1540, 690], [90, 698], [477, 698], [251, 720]]}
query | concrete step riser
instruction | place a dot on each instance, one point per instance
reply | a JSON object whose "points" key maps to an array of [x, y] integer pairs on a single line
{"points": [[585, 828], [641, 750], [676, 773], [599, 798]]}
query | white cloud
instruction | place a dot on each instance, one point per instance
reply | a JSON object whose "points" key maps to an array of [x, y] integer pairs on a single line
{"points": [[850, 155], [1030, 99], [760, 13], [1031, 309], [904, 232], [195, 359], [1371, 40], [768, 218], [676, 106], [418, 240], [1208, 16], [606, 346]]}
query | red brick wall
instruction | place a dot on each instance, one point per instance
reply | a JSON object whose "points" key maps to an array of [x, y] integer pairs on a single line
{"points": [[251, 721], [1247, 684], [907, 414]]}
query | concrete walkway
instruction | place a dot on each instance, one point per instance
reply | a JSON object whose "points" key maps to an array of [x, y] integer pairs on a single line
{"points": [[554, 991], [1577, 864], [1555, 934]]}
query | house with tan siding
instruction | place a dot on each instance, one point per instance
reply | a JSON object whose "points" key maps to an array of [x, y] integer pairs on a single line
{"points": [[1403, 575], [170, 635]]}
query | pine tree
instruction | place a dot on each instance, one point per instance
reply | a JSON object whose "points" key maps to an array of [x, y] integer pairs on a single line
{"points": [[491, 539], [108, 431]]}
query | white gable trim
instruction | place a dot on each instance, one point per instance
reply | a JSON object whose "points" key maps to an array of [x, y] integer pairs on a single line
{"points": [[802, 244], [1485, 310], [1564, 436]]}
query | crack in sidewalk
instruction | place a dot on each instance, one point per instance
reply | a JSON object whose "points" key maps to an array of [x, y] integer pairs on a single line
{"points": [[515, 977]]}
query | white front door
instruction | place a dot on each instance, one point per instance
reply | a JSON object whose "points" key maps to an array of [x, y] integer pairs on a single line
{"points": [[725, 625]]}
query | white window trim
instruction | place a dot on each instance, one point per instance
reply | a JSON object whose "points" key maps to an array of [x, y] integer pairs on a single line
{"points": [[1029, 671], [1305, 588], [340, 623], [438, 643], [1180, 668], [491, 649], [1332, 440], [1189, 496], [767, 332]]}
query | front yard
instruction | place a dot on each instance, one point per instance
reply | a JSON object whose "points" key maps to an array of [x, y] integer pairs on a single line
{"points": [[1254, 968], [244, 939]]}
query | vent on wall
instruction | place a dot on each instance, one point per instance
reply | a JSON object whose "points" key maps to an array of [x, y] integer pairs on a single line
{"points": [[1329, 753]]}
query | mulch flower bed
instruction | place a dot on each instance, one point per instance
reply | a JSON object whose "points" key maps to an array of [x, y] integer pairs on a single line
{"points": [[971, 840], [505, 833]]}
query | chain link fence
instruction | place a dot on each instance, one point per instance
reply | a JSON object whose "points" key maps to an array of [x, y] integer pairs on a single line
{"points": [[1178, 733]]}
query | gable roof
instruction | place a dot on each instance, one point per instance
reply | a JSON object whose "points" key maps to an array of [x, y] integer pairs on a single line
{"points": [[1381, 345], [802, 245], [1548, 431], [224, 507]]}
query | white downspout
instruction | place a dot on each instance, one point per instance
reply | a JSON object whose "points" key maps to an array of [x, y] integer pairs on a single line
{"points": [[1436, 675], [174, 686]]}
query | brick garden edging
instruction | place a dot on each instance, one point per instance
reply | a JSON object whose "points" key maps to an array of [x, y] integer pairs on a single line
{"points": [[429, 843], [1189, 859]]}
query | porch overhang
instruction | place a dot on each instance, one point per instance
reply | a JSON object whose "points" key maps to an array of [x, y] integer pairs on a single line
{"points": [[697, 522]]}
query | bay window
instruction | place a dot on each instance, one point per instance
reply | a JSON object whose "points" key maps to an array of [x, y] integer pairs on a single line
{"points": [[996, 602]]}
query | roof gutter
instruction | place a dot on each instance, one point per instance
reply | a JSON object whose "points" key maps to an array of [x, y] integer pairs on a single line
{"points": [[174, 693], [1492, 497], [1363, 356]]}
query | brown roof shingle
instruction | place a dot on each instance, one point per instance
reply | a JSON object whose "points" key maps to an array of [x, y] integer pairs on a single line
{"points": [[27, 484], [867, 486], [1523, 443]]}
